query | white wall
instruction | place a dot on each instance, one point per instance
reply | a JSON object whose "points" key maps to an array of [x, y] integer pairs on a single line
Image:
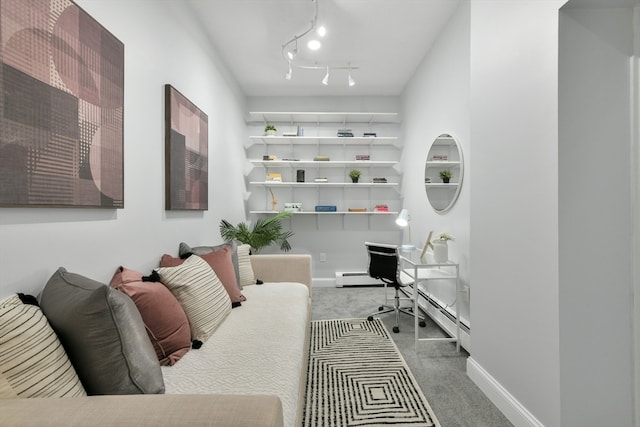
{"points": [[596, 371], [514, 207], [161, 46], [436, 101]]}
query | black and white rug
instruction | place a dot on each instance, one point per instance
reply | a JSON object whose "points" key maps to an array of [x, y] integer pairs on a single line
{"points": [[357, 377]]}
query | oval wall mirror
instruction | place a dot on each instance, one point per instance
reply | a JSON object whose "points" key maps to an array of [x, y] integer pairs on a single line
{"points": [[443, 173]]}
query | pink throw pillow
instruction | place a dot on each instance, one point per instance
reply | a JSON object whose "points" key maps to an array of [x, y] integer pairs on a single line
{"points": [[164, 319], [221, 263]]}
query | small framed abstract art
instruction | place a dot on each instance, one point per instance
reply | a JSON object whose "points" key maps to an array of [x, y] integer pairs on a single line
{"points": [[61, 108], [186, 153]]}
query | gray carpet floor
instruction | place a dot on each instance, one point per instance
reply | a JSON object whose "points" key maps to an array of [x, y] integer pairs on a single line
{"points": [[437, 366]]}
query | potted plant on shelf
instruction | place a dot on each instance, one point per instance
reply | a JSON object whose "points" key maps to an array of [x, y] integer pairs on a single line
{"points": [[446, 175], [354, 175], [270, 130], [265, 231]]}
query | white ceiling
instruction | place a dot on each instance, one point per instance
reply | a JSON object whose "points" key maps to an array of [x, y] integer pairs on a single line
{"points": [[385, 39]]}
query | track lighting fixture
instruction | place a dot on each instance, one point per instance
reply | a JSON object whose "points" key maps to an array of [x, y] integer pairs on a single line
{"points": [[291, 55], [289, 72], [325, 81], [351, 81]]}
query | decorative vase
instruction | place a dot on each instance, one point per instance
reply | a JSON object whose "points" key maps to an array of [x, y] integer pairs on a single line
{"points": [[440, 251]]}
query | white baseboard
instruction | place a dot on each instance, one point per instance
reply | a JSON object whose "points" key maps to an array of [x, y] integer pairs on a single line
{"points": [[505, 402]]}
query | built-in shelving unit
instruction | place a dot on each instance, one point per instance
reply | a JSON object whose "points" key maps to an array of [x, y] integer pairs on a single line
{"points": [[316, 135]]}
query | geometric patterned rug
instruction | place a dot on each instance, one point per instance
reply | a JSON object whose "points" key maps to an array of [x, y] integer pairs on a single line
{"points": [[357, 377]]}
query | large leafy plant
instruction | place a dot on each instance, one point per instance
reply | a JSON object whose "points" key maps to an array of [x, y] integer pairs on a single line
{"points": [[265, 231]]}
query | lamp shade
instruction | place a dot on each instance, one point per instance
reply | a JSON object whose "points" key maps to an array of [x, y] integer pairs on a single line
{"points": [[403, 218]]}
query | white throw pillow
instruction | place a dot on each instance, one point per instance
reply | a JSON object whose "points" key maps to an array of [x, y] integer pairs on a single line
{"points": [[247, 276], [33, 362], [201, 294]]}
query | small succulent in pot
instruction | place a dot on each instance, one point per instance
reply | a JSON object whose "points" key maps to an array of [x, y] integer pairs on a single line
{"points": [[355, 175], [270, 130], [446, 175]]}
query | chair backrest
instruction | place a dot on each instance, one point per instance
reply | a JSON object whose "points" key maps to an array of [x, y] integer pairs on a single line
{"points": [[383, 262]]}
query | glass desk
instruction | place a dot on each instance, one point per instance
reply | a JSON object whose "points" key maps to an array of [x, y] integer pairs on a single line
{"points": [[424, 271]]}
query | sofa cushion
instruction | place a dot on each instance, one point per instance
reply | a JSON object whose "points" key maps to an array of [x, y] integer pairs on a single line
{"points": [[33, 362], [220, 262], [103, 334], [247, 277], [164, 319], [201, 294], [184, 251]]}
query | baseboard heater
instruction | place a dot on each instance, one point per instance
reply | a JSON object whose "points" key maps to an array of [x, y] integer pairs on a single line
{"points": [[355, 278]]}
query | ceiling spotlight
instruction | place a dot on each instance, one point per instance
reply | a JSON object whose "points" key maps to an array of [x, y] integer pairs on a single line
{"points": [[325, 81], [351, 81], [321, 31], [289, 72], [314, 44]]}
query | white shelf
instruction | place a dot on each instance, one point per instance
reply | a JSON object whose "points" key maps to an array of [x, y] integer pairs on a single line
{"points": [[327, 213], [450, 185], [315, 140], [321, 117], [323, 163], [440, 163], [322, 184]]}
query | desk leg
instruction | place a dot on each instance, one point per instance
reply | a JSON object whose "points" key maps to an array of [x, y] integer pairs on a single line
{"points": [[416, 295], [458, 308]]}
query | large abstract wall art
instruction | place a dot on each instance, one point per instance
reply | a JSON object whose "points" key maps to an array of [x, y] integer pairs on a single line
{"points": [[186, 153], [61, 107]]}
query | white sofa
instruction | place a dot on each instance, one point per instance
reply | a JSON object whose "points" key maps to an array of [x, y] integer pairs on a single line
{"points": [[250, 372]]}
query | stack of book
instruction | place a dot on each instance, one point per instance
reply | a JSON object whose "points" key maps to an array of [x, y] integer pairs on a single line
{"points": [[357, 209], [363, 157], [381, 180], [345, 132], [274, 177], [293, 207], [321, 179], [370, 134], [321, 158], [381, 208], [326, 208], [439, 157]]}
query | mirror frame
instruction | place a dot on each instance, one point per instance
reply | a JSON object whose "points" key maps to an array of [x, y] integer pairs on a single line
{"points": [[430, 165]]}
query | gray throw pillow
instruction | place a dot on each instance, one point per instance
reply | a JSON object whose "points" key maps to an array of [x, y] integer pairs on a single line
{"points": [[185, 250], [103, 335]]}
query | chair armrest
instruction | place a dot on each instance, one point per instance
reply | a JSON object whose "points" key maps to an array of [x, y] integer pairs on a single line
{"points": [[282, 268], [145, 410]]}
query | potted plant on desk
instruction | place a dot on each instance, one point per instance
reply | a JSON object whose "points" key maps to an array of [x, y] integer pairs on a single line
{"points": [[441, 247]]}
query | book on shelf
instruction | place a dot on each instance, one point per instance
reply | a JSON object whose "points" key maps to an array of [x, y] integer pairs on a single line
{"points": [[274, 177], [380, 180], [321, 158], [381, 208], [269, 157], [440, 157], [293, 207], [326, 208], [345, 132], [363, 157], [289, 134], [357, 209], [370, 134], [321, 180]]}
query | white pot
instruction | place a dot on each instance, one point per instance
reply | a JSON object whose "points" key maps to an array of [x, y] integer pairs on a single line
{"points": [[440, 251], [271, 132]]}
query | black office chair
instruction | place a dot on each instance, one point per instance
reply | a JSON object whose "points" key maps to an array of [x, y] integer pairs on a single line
{"points": [[384, 264]]}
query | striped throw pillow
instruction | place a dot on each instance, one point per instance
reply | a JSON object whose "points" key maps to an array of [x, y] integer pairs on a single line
{"points": [[201, 294], [247, 276], [33, 362]]}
